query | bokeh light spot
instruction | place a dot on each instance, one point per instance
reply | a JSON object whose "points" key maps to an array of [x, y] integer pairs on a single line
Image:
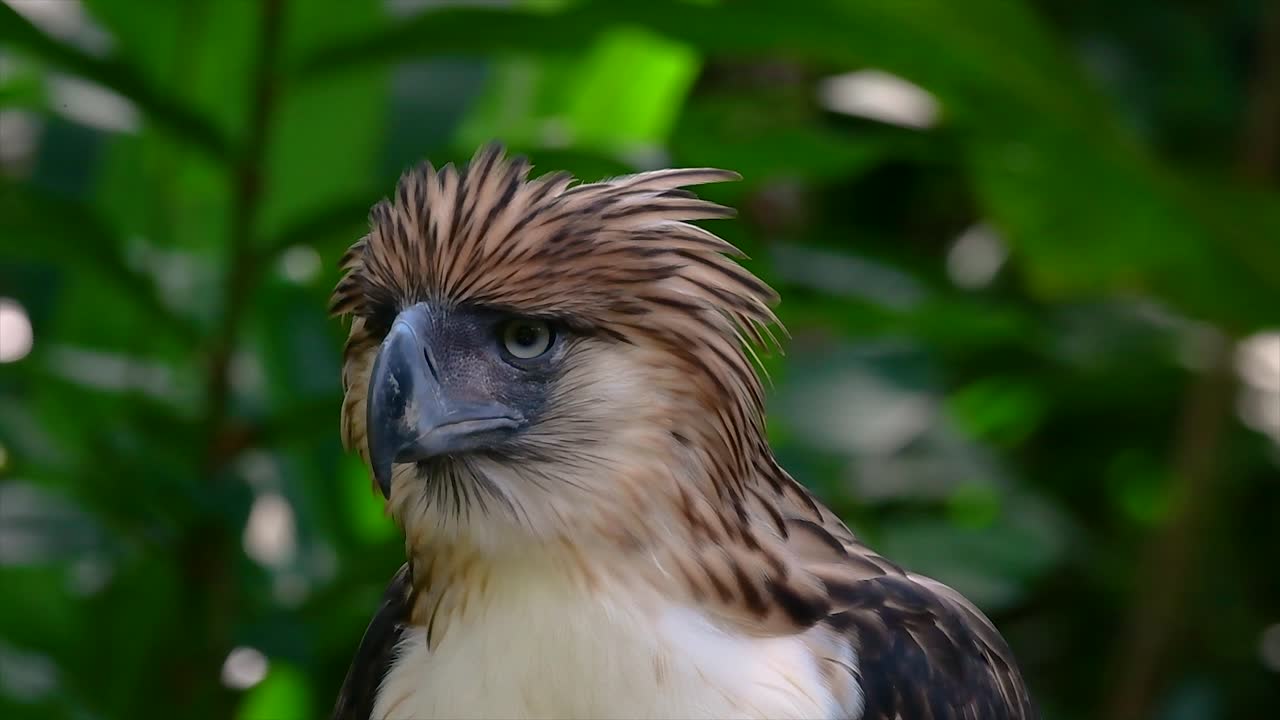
{"points": [[244, 668], [16, 336]]}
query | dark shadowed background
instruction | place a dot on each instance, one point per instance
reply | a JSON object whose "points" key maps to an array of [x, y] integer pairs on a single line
{"points": [[1029, 252]]}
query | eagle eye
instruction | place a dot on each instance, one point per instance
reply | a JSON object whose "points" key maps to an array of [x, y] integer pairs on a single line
{"points": [[526, 339]]}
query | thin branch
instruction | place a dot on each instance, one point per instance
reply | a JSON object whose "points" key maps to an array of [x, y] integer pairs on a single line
{"points": [[243, 270], [208, 550], [1260, 146], [1156, 620]]}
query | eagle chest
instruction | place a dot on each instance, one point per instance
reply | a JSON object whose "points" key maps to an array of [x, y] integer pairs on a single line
{"points": [[533, 646]]}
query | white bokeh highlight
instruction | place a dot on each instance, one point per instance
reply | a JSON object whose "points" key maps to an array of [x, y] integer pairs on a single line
{"points": [[1269, 648], [1257, 362], [244, 668], [300, 264], [16, 334], [880, 96], [270, 535], [92, 105], [976, 257]]}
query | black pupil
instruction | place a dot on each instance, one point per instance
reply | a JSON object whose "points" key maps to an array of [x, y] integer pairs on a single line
{"points": [[526, 335]]}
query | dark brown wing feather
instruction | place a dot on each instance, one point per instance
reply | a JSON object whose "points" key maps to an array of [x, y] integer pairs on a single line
{"points": [[377, 650], [923, 652], [924, 656]]}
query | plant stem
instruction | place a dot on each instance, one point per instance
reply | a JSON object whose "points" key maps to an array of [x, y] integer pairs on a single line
{"points": [[1156, 620], [209, 553]]}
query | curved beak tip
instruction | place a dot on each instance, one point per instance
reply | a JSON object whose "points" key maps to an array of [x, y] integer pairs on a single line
{"points": [[390, 384], [411, 415]]}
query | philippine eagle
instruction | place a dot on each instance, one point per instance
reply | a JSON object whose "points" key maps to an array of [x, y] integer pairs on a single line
{"points": [[553, 385]]}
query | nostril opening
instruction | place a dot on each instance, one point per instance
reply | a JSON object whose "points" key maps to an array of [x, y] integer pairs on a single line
{"points": [[426, 355]]}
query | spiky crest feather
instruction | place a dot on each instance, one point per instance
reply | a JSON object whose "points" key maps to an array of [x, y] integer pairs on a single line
{"points": [[618, 257]]}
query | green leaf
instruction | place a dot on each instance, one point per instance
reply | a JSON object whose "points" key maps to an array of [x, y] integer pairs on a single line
{"points": [[554, 101], [284, 694], [21, 85], [41, 225], [974, 505], [603, 112], [1004, 410], [320, 158], [1102, 220], [1139, 487], [992, 562], [365, 508], [160, 107], [747, 133], [1057, 173]]}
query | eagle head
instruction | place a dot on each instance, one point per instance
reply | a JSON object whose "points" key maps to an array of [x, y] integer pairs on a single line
{"points": [[539, 360]]}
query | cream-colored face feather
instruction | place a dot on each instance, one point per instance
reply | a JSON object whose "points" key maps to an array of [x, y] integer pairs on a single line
{"points": [[657, 395]]}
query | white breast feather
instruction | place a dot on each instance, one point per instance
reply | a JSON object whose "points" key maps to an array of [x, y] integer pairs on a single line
{"points": [[538, 646]]}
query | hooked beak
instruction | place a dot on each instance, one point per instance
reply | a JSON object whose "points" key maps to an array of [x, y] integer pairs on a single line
{"points": [[412, 413]]}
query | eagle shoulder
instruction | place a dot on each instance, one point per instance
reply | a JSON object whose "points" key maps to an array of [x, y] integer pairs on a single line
{"points": [[925, 652], [922, 649]]}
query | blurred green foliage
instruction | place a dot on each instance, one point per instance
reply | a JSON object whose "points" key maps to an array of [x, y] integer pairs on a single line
{"points": [[1016, 329]]}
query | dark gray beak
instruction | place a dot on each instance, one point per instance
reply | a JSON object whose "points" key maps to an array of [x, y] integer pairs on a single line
{"points": [[412, 413]]}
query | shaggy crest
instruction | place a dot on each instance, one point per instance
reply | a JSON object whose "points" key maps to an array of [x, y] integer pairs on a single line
{"points": [[617, 257]]}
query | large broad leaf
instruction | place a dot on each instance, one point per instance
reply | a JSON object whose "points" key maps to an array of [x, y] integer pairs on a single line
{"points": [[201, 53], [160, 106], [1029, 119], [747, 134], [318, 157], [1102, 218], [43, 226], [557, 101]]}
